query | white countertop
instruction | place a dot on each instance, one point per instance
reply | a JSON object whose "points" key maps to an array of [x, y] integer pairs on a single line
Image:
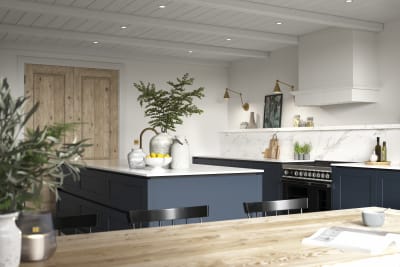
{"points": [[255, 159], [121, 166], [363, 165]]}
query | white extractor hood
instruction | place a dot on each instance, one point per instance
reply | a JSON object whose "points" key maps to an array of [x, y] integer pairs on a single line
{"points": [[337, 66]]}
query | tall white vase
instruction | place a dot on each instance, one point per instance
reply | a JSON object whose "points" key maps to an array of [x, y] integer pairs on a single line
{"points": [[180, 154], [10, 240]]}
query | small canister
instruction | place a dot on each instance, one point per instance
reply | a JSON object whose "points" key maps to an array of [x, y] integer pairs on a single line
{"points": [[296, 121], [310, 122]]}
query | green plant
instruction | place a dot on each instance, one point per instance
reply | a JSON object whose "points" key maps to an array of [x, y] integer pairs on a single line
{"points": [[298, 148], [31, 158], [306, 148], [167, 107]]}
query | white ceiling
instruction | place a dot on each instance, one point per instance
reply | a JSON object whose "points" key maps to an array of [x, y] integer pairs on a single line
{"points": [[200, 26]]}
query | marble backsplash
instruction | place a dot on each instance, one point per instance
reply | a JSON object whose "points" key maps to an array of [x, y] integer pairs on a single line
{"points": [[340, 143]]}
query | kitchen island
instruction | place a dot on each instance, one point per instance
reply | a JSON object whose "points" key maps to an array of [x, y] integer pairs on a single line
{"points": [[110, 189], [264, 241]]}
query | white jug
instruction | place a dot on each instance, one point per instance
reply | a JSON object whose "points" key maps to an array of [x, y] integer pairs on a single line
{"points": [[180, 154]]}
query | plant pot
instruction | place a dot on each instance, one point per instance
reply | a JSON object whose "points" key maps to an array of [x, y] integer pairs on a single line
{"points": [[306, 156], [38, 236], [10, 240], [161, 143]]}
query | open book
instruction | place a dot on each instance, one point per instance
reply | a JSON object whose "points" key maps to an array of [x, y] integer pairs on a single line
{"points": [[373, 242]]}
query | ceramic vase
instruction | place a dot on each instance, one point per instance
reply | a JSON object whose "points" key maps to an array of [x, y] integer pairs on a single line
{"points": [[252, 122], [10, 240], [161, 143], [180, 154]]}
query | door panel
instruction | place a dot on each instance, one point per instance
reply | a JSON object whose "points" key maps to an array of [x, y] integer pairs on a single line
{"points": [[98, 111]]}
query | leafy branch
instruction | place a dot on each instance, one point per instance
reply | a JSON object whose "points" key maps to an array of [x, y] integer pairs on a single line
{"points": [[34, 160], [166, 108]]}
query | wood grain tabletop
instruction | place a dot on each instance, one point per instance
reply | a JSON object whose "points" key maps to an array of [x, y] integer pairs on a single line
{"points": [[267, 241]]}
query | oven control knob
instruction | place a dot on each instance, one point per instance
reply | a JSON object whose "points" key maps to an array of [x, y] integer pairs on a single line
{"points": [[327, 176], [286, 172], [309, 174], [296, 173], [314, 175], [322, 175], [300, 173], [318, 175]]}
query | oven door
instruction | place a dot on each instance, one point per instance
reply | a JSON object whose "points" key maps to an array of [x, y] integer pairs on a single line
{"points": [[318, 193]]}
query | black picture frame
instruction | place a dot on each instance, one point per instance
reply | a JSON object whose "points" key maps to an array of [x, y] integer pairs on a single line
{"points": [[273, 111]]}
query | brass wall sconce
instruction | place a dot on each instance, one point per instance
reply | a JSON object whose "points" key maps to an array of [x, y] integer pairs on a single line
{"points": [[245, 106], [277, 88]]}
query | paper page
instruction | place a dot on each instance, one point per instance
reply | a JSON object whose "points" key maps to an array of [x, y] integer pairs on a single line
{"points": [[373, 242]]}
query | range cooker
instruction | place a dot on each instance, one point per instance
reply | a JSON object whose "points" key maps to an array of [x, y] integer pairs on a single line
{"points": [[309, 179]]}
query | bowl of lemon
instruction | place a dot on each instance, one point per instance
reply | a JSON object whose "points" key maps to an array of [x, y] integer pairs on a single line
{"points": [[158, 161]]}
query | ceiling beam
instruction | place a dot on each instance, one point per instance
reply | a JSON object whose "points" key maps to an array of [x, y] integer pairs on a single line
{"points": [[124, 19], [287, 13], [129, 41]]}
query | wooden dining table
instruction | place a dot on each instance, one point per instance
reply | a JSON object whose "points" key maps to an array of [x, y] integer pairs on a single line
{"points": [[264, 241]]}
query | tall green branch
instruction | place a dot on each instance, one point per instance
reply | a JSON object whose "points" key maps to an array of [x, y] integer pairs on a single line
{"points": [[165, 108]]}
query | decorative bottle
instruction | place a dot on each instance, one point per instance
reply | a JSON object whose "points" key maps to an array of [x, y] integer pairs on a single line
{"points": [[180, 154], [136, 157], [384, 152], [252, 122], [378, 150]]}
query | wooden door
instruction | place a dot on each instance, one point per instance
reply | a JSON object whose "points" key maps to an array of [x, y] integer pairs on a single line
{"points": [[52, 87], [96, 106], [83, 95]]}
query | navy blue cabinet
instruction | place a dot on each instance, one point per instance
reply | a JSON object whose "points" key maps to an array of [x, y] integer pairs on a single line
{"points": [[362, 187], [271, 184], [111, 195]]}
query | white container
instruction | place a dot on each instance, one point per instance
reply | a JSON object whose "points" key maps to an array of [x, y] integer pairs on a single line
{"points": [[136, 159], [180, 154], [10, 240]]}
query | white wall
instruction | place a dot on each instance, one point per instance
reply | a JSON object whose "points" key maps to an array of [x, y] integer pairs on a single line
{"points": [[256, 78], [200, 130]]}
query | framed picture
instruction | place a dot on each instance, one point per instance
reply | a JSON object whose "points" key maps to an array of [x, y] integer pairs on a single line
{"points": [[273, 111]]}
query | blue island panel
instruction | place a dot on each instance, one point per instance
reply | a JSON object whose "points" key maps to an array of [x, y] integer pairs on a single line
{"points": [[224, 194]]}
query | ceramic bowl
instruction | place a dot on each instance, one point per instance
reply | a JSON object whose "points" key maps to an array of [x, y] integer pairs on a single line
{"points": [[373, 218], [158, 163]]}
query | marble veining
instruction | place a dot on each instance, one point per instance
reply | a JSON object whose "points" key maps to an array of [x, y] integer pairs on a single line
{"points": [[350, 143]]}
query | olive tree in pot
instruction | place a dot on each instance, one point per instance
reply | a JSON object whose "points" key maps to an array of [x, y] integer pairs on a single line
{"points": [[31, 159], [166, 108]]}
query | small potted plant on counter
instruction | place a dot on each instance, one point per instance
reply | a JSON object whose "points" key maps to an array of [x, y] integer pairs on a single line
{"points": [[31, 159], [298, 151], [306, 151]]}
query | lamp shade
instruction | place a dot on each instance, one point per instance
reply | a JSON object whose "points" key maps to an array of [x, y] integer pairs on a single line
{"points": [[277, 89]]}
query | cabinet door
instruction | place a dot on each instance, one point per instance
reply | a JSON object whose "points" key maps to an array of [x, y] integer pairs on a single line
{"points": [[107, 218], [389, 185], [353, 188], [272, 186]]}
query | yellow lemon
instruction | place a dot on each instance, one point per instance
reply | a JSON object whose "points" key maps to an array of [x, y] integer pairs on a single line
{"points": [[153, 155], [160, 155], [167, 156]]}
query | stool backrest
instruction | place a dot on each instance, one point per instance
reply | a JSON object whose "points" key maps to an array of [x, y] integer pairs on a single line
{"points": [[264, 207], [137, 217]]}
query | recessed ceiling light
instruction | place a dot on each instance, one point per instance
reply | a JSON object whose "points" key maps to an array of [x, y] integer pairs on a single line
{"points": [[228, 39], [95, 42], [349, 1], [279, 23], [190, 51], [162, 6], [124, 27]]}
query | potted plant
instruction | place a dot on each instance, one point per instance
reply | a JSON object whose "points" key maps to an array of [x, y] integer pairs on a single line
{"points": [[298, 151], [306, 151], [166, 108], [31, 159]]}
